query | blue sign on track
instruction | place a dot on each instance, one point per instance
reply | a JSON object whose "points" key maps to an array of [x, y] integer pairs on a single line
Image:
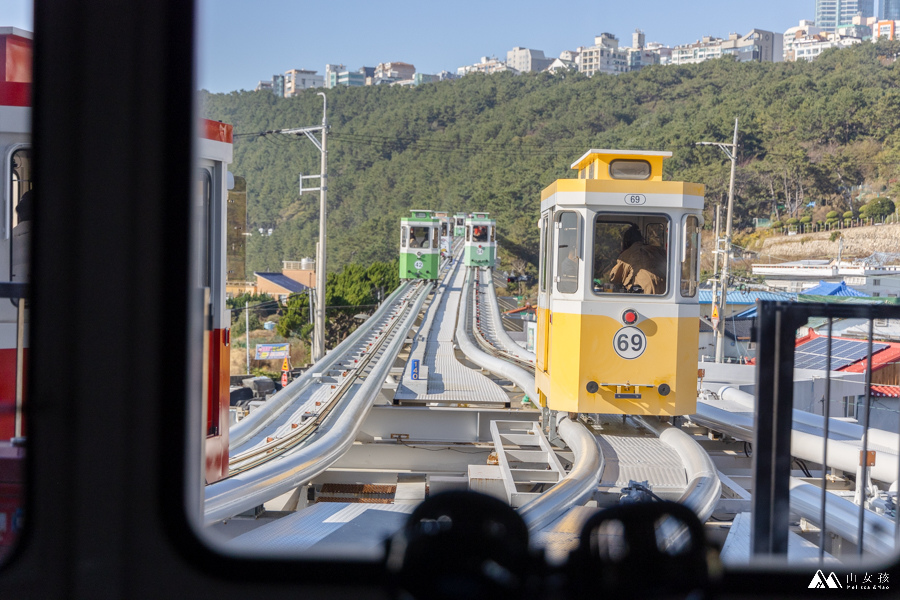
{"points": [[415, 369]]}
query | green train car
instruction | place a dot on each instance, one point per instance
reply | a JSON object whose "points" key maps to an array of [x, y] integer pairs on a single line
{"points": [[481, 241], [420, 245], [459, 226]]}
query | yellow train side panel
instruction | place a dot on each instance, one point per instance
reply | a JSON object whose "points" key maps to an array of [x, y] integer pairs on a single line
{"points": [[581, 350]]}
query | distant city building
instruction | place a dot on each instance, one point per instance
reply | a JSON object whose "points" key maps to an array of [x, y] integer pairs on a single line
{"points": [[758, 45], [877, 275], [830, 14], [562, 64], [805, 29], [297, 80], [524, 60], [571, 55], [808, 48], [263, 85], [331, 72], [390, 72], [638, 58], [604, 56], [278, 85], [889, 10], [637, 39], [488, 65], [888, 30], [663, 52]]}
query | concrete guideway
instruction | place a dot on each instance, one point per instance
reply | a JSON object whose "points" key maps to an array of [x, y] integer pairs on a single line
{"points": [[441, 377]]}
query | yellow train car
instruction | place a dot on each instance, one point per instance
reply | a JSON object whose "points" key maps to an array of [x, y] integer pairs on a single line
{"points": [[617, 317]]}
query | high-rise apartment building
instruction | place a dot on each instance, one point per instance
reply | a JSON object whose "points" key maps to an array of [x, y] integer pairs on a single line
{"points": [[604, 56], [526, 59], [889, 10], [830, 14], [297, 80]]}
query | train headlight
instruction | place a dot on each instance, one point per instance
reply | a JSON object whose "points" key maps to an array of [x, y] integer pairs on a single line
{"points": [[419, 254], [629, 316]]}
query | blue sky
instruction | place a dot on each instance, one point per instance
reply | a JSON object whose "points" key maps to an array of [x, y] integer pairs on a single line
{"points": [[243, 41]]}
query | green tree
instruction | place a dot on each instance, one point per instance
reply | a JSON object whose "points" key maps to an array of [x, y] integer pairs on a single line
{"points": [[878, 208]]}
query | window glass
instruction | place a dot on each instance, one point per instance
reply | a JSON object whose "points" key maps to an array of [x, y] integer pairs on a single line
{"points": [[202, 195], [468, 233], [460, 222], [493, 233], [545, 257], [691, 258], [435, 238], [404, 231], [21, 206], [418, 237], [480, 233], [626, 262], [629, 169], [567, 253]]}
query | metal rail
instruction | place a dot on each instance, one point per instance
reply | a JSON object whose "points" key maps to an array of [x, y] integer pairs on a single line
{"points": [[251, 488], [519, 376], [250, 426], [502, 342]]}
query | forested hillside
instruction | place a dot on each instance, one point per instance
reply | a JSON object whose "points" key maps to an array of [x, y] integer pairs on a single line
{"points": [[810, 132]]}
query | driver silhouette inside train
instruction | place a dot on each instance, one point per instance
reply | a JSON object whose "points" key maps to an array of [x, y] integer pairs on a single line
{"points": [[640, 268]]}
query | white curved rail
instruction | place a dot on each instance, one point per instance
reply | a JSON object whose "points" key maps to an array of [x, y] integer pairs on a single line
{"points": [[577, 486], [704, 487], [508, 344], [519, 376], [843, 517], [251, 488]]}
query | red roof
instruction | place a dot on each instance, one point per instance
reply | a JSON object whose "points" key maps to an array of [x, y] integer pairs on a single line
{"points": [[881, 359], [886, 391]]}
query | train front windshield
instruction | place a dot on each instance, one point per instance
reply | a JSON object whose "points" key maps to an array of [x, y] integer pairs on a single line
{"points": [[480, 233], [419, 236], [631, 254]]}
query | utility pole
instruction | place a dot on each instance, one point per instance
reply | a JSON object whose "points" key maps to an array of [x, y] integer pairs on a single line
{"points": [[318, 341], [730, 151], [247, 331], [716, 252]]}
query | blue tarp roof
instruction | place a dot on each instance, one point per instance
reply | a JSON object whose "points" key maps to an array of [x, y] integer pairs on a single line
{"points": [[284, 281], [736, 297], [834, 289]]}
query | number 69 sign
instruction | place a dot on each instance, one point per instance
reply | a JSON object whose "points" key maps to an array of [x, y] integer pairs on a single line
{"points": [[629, 342]]}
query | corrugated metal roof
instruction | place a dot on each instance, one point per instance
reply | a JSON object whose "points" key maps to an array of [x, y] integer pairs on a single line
{"points": [[737, 297], [834, 289]]}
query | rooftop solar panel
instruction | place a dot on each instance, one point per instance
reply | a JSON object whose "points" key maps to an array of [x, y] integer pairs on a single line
{"points": [[814, 354]]}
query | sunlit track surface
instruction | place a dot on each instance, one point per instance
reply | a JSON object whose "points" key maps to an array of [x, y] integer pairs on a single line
{"points": [[297, 425], [485, 329]]}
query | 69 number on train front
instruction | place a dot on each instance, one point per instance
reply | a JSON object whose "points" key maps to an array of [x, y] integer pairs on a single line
{"points": [[629, 342]]}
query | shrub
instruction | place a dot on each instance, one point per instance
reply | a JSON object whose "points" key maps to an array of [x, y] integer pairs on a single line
{"points": [[793, 221], [777, 224], [835, 236], [832, 215], [806, 220], [848, 215]]}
